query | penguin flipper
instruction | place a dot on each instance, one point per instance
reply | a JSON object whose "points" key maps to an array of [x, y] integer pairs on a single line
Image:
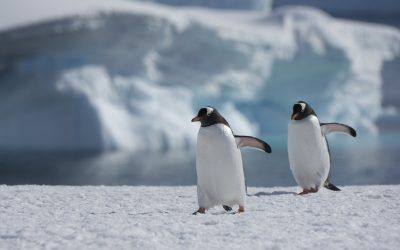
{"points": [[337, 127], [249, 141], [330, 186]]}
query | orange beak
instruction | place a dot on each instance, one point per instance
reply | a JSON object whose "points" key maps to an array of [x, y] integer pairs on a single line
{"points": [[294, 116], [196, 119]]}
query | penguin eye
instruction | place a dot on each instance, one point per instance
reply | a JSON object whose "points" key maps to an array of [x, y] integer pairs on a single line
{"points": [[202, 112], [296, 108]]}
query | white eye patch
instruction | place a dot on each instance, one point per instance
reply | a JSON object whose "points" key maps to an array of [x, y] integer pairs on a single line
{"points": [[209, 110], [303, 106]]}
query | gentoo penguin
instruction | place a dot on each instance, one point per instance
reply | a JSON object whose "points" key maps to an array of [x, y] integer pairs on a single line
{"points": [[219, 168], [308, 148]]}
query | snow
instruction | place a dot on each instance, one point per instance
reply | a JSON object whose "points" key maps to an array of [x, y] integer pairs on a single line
{"points": [[130, 75], [142, 217], [15, 14]]}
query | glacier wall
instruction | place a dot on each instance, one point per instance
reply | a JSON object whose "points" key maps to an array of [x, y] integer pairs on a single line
{"points": [[132, 80]]}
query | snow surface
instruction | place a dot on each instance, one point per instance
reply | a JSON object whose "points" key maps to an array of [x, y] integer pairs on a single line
{"points": [[54, 217], [114, 74]]}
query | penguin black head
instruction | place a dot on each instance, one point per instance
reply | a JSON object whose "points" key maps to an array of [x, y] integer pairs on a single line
{"points": [[302, 110], [208, 116]]}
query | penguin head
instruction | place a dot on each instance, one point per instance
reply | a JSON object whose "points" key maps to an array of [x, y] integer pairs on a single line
{"points": [[208, 116], [302, 110]]}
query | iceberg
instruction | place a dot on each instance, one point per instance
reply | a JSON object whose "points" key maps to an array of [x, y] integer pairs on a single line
{"points": [[122, 75]]}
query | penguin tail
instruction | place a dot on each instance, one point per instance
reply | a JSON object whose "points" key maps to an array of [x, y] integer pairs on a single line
{"points": [[330, 186], [227, 208]]}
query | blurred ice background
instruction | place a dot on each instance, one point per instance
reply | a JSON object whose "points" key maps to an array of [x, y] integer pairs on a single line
{"points": [[102, 91]]}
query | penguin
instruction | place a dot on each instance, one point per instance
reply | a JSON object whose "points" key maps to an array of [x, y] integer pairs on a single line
{"points": [[308, 149], [219, 167]]}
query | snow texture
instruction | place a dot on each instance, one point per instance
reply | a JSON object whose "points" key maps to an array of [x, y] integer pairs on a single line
{"points": [[126, 75], [60, 217]]}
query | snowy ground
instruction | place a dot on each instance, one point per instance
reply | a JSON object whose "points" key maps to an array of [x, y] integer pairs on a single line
{"points": [[54, 217]]}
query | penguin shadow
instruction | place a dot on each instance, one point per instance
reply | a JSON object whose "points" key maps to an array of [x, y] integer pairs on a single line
{"points": [[259, 194]]}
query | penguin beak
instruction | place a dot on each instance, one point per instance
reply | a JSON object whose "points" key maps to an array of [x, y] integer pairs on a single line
{"points": [[294, 116], [196, 119]]}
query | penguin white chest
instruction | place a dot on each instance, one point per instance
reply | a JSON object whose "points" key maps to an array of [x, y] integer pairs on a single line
{"points": [[220, 178], [308, 152]]}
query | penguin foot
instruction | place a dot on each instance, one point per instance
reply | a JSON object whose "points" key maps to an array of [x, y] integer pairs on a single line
{"points": [[307, 191], [241, 209], [201, 210]]}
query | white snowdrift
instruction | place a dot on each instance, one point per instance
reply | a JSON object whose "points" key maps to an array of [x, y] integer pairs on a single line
{"points": [[129, 75], [43, 217]]}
